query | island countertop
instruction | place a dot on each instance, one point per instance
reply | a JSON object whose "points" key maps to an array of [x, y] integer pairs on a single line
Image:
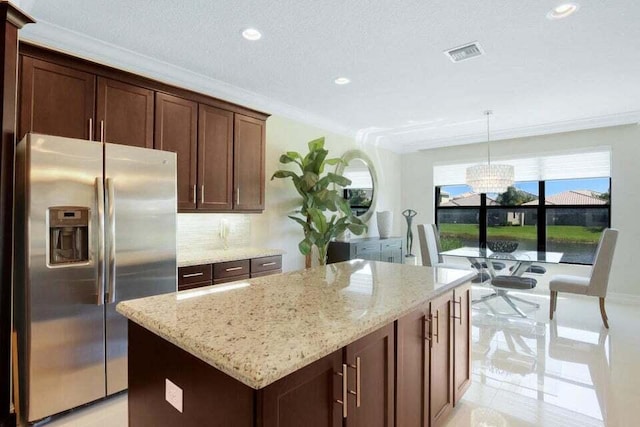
{"points": [[260, 330]]}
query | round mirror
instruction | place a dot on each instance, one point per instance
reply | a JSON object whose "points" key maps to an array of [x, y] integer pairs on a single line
{"points": [[362, 192]]}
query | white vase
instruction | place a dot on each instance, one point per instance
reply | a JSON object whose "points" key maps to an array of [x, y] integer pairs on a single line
{"points": [[385, 220]]}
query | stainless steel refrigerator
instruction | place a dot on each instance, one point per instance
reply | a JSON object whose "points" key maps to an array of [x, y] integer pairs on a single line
{"points": [[95, 224]]}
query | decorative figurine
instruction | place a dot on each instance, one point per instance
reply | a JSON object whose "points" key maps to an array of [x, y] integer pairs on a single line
{"points": [[409, 214]]}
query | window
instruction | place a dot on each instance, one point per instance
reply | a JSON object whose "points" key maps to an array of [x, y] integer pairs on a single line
{"points": [[459, 221], [577, 210], [564, 215]]}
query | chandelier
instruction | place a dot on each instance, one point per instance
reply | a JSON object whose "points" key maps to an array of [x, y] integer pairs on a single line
{"points": [[490, 178]]}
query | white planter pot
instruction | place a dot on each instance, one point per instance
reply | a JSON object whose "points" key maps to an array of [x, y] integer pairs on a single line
{"points": [[385, 220]]}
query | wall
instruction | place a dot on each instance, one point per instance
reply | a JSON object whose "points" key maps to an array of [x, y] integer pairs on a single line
{"points": [[272, 228], [418, 191]]}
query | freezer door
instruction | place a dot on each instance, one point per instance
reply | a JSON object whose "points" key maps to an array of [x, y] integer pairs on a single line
{"points": [[140, 230], [58, 313]]}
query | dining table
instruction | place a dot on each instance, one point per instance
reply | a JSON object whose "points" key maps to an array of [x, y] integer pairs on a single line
{"points": [[522, 259]]}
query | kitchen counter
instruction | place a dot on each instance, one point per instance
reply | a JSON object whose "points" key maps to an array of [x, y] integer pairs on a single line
{"points": [[223, 255], [260, 330]]}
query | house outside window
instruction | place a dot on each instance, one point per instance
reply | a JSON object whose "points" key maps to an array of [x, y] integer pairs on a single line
{"points": [[565, 216]]}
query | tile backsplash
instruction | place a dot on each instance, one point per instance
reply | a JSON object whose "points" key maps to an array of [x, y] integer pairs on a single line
{"points": [[198, 232]]}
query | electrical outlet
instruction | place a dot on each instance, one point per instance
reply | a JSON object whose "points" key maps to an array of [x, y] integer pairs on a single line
{"points": [[173, 395]]}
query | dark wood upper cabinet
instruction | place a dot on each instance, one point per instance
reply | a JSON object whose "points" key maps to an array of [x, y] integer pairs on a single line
{"points": [[124, 114], [215, 158], [220, 146], [56, 100], [306, 397], [248, 158], [176, 130], [376, 355]]}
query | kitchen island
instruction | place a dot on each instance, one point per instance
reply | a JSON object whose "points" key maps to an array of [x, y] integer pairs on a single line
{"points": [[353, 343]]}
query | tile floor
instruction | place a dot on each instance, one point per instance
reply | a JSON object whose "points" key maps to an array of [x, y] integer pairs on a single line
{"points": [[526, 372]]}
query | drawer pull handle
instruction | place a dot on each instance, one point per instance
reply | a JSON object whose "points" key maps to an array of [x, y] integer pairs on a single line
{"points": [[345, 390], [357, 393], [186, 276], [459, 302], [233, 268], [428, 329], [267, 264]]}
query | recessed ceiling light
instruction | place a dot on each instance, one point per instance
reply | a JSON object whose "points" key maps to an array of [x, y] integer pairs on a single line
{"points": [[562, 11], [342, 81], [252, 34]]}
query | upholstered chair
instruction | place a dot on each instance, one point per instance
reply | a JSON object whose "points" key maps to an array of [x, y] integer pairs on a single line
{"points": [[596, 284]]}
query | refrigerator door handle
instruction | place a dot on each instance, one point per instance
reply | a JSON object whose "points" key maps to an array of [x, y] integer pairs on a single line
{"points": [[111, 244], [101, 267]]}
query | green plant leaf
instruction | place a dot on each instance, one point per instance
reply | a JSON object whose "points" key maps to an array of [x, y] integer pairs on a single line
{"points": [[335, 161], [309, 180], [294, 155], [305, 247], [357, 229], [316, 144], [286, 174]]}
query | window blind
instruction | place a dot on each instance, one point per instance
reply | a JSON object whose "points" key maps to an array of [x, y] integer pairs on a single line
{"points": [[590, 164]]}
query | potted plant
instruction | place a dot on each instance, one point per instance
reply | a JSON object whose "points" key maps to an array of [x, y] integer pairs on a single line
{"points": [[319, 196]]}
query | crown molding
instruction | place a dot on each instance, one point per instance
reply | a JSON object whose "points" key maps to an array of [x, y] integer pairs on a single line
{"points": [[62, 39], [14, 15], [80, 45], [627, 118]]}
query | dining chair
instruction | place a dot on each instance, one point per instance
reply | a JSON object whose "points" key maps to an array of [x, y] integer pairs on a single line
{"points": [[430, 248], [596, 284]]}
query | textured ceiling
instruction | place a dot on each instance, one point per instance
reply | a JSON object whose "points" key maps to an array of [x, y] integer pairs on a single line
{"points": [[405, 94]]}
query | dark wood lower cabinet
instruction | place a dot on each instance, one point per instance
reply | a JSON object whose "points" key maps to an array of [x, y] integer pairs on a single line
{"points": [[400, 375], [441, 359], [462, 341], [371, 363], [306, 397], [210, 397], [412, 369], [433, 367]]}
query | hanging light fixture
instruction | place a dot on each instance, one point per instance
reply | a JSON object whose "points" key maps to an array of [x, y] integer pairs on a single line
{"points": [[490, 178]]}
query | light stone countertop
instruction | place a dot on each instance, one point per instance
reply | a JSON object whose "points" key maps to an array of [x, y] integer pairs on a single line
{"points": [[260, 330], [223, 255]]}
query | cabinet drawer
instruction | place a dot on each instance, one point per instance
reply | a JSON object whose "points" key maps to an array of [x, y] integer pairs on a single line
{"points": [[266, 263], [231, 269], [367, 248], [266, 273], [396, 244], [193, 275], [230, 279]]}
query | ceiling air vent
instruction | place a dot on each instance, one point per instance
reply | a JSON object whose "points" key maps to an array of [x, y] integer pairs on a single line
{"points": [[462, 53]]}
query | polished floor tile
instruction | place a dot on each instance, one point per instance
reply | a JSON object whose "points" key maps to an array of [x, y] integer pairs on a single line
{"points": [[569, 372]]}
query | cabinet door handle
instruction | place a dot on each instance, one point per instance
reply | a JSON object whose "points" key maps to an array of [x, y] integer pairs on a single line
{"points": [[436, 333], [357, 393], [267, 264], [237, 196], [459, 302], [345, 390], [186, 276], [428, 330], [202, 194], [233, 268], [195, 197], [90, 129], [101, 130]]}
